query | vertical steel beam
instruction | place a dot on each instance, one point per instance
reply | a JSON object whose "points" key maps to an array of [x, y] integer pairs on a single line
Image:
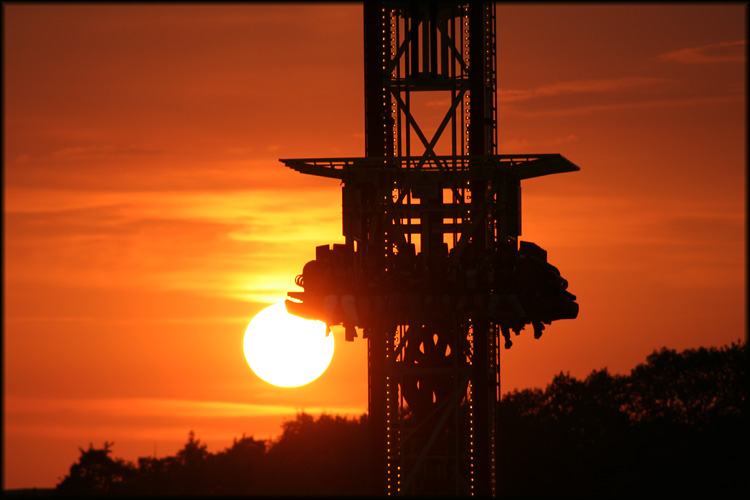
{"points": [[480, 138], [378, 143]]}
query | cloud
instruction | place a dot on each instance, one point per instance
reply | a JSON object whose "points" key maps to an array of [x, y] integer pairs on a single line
{"points": [[582, 97], [156, 407], [513, 146], [204, 320], [243, 244], [142, 167], [154, 419], [578, 87], [713, 53], [681, 241], [629, 105], [98, 152]]}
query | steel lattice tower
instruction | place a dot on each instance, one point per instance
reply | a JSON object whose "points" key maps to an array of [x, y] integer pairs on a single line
{"points": [[428, 215]]}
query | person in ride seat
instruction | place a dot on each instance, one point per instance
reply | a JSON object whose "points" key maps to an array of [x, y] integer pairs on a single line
{"points": [[504, 307], [339, 303], [470, 279]]}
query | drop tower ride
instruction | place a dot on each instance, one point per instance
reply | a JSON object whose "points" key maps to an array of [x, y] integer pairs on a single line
{"points": [[432, 271]]}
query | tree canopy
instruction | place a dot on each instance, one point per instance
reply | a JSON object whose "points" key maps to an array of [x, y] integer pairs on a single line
{"points": [[675, 424]]}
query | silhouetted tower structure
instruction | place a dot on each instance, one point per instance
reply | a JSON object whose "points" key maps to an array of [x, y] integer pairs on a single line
{"points": [[432, 270]]}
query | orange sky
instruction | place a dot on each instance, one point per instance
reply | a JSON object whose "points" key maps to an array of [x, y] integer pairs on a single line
{"points": [[147, 217]]}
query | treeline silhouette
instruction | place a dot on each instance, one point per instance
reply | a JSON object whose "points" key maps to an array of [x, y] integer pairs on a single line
{"points": [[675, 425]]}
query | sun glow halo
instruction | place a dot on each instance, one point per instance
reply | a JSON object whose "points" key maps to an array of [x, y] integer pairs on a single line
{"points": [[286, 350]]}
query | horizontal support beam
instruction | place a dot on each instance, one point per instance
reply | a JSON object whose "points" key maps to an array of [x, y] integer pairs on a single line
{"points": [[427, 83], [448, 211], [444, 228], [434, 168], [396, 368]]}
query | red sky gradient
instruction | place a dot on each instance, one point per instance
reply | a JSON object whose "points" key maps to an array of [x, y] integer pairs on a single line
{"points": [[147, 217]]}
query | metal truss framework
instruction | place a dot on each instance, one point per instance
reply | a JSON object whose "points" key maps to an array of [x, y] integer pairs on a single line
{"points": [[431, 190]]}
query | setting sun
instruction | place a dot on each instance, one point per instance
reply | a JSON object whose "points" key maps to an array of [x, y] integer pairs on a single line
{"points": [[286, 350]]}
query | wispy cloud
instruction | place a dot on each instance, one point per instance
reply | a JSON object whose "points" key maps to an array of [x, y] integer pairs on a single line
{"points": [[205, 320], [527, 145], [143, 167], [155, 407], [578, 87], [614, 106], [582, 97], [127, 420], [98, 152], [680, 240], [721, 52], [241, 244]]}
